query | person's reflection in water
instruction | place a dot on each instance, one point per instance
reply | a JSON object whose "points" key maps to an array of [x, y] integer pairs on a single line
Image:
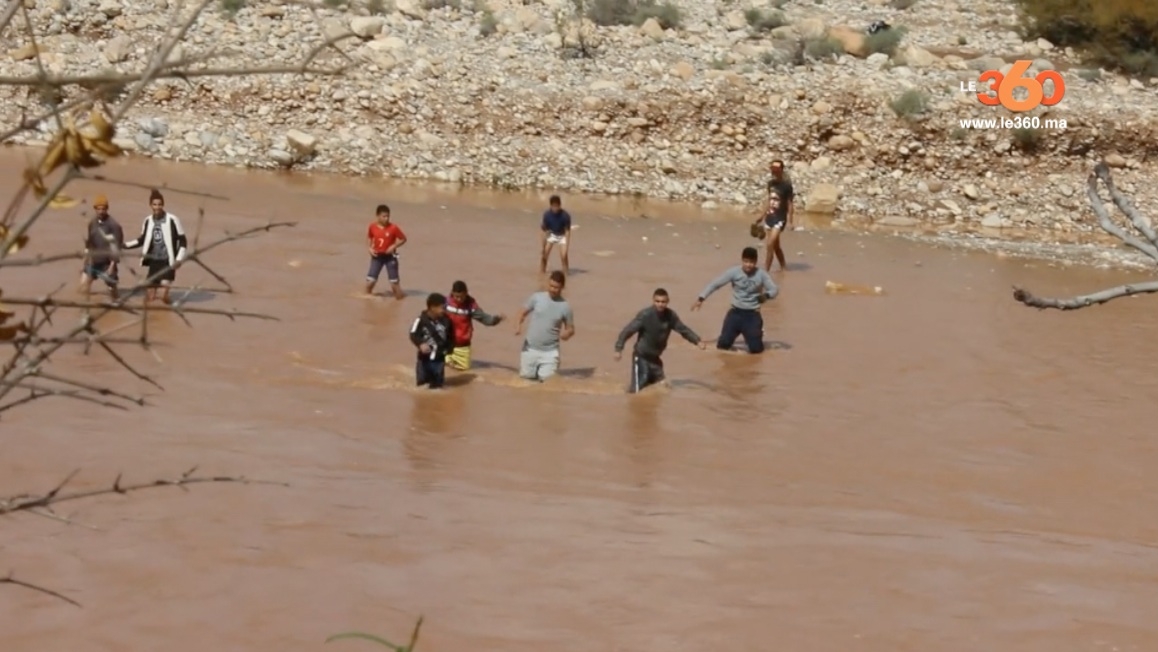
{"points": [[435, 421], [741, 379], [644, 436]]}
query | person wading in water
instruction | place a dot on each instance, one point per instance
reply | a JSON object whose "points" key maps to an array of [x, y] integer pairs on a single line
{"points": [[779, 214], [164, 242], [103, 243]]}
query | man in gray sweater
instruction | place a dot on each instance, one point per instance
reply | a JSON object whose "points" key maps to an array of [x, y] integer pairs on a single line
{"points": [[751, 287], [653, 325]]}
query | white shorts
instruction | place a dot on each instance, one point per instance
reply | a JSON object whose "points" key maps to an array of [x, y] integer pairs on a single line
{"points": [[556, 239]]}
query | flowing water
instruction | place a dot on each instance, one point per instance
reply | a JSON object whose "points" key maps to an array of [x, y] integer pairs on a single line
{"points": [[935, 468]]}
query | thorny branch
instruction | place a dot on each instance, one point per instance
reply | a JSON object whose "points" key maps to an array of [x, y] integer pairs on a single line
{"points": [[1145, 240], [42, 504]]}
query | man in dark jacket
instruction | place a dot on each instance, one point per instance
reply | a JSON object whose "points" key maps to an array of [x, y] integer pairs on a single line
{"points": [[433, 335], [103, 244], [653, 325]]}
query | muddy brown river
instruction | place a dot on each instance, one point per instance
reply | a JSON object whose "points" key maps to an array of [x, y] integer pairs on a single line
{"points": [[937, 468]]}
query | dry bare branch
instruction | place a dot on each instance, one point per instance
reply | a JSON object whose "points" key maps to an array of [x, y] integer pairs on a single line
{"points": [[1144, 239], [42, 504], [82, 119]]}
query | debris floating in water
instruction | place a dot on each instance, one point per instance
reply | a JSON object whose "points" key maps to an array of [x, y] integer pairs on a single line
{"points": [[833, 287]]}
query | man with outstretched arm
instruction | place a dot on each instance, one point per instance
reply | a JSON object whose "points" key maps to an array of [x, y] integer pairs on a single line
{"points": [[751, 287], [551, 322], [654, 326], [164, 243]]}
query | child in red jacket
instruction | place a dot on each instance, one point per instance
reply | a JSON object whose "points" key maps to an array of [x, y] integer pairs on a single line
{"points": [[463, 311]]}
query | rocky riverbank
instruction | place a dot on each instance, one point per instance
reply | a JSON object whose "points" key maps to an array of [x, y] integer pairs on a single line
{"points": [[503, 95]]}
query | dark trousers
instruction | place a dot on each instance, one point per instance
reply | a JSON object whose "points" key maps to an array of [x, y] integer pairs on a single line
{"points": [[746, 323], [431, 373], [644, 372]]}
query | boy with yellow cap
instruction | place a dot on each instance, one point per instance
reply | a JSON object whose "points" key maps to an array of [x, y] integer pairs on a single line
{"points": [[103, 242]]}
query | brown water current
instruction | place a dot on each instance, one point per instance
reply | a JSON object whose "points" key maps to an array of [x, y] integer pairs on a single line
{"points": [[937, 468]]}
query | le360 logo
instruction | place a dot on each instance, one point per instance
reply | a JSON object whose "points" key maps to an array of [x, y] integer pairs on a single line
{"points": [[1001, 87]]}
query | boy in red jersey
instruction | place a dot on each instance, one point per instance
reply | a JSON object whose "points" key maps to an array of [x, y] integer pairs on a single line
{"points": [[463, 311], [384, 239]]}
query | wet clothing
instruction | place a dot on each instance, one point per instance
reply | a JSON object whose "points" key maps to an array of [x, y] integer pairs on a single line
{"points": [[783, 188], [777, 219], [556, 224], [538, 365], [104, 240], [388, 262], [545, 321], [748, 324], [653, 329], [164, 242], [644, 373], [463, 315], [105, 271], [748, 291], [383, 237], [438, 334]]}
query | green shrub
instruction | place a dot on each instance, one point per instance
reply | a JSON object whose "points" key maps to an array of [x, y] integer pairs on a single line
{"points": [[487, 23], [910, 103], [631, 12], [823, 48], [764, 21], [1118, 34], [432, 5], [1027, 139], [902, 4], [886, 41]]}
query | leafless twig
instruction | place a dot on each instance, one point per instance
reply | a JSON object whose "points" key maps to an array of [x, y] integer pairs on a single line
{"points": [[84, 123], [1144, 239], [42, 504]]}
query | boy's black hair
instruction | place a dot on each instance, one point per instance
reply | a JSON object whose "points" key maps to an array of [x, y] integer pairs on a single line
{"points": [[660, 292], [555, 200], [559, 277], [435, 299], [749, 253], [382, 209], [458, 286]]}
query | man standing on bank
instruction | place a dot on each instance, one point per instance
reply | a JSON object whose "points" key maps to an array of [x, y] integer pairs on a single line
{"points": [[551, 322], [556, 230], [654, 326], [163, 240], [751, 287], [103, 244], [779, 214]]}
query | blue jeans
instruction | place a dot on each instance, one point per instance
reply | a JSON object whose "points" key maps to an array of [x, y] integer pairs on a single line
{"points": [[389, 262], [746, 323], [431, 373]]}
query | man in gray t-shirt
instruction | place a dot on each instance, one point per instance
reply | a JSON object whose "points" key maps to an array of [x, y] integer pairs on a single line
{"points": [[551, 322]]}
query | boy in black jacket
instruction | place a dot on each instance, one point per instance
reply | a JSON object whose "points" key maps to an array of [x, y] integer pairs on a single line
{"points": [[433, 335], [653, 325]]}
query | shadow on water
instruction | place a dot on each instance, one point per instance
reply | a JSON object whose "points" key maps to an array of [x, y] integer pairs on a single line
{"points": [[581, 372], [770, 345], [485, 364], [181, 295], [799, 267]]}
